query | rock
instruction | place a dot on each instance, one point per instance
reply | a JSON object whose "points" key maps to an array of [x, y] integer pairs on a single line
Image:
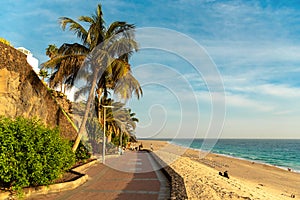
{"points": [[22, 93]]}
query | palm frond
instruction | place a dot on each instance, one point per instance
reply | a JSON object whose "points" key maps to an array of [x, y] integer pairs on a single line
{"points": [[74, 48], [54, 62], [87, 19], [119, 27], [127, 85], [74, 27]]}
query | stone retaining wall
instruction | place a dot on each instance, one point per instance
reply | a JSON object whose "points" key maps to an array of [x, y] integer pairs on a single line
{"points": [[178, 190]]}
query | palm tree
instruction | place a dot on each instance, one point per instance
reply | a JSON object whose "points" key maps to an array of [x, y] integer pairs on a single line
{"points": [[119, 120], [132, 121], [112, 115], [129, 125], [51, 50], [104, 51], [44, 74], [64, 63], [117, 40]]}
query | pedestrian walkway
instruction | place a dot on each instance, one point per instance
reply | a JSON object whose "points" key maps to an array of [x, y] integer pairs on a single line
{"points": [[134, 175]]}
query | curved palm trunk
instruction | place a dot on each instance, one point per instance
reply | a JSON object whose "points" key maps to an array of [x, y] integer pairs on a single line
{"points": [[87, 110]]}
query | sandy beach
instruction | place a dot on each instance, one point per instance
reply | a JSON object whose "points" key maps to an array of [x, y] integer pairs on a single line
{"points": [[247, 180]]}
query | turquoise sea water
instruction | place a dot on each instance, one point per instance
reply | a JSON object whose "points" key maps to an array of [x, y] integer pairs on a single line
{"points": [[277, 152]]}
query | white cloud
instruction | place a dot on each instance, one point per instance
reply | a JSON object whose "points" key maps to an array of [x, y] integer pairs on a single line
{"points": [[253, 54], [283, 91], [244, 102]]}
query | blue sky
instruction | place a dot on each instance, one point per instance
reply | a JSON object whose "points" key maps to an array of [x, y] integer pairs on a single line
{"points": [[252, 47]]}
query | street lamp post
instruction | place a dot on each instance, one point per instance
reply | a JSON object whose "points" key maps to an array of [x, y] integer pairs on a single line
{"points": [[121, 137], [104, 136]]}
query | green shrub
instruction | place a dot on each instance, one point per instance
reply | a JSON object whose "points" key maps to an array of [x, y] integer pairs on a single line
{"points": [[31, 154], [4, 41], [82, 152]]}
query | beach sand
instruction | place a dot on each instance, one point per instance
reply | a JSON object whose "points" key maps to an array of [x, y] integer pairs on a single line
{"points": [[247, 180]]}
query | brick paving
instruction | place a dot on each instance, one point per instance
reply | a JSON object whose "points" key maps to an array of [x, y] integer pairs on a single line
{"points": [[132, 176]]}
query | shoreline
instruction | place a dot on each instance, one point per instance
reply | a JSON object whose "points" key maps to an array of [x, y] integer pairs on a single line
{"points": [[285, 168], [235, 157], [248, 179], [257, 162]]}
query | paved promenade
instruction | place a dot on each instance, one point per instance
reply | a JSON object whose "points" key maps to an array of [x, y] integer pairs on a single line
{"points": [[133, 176]]}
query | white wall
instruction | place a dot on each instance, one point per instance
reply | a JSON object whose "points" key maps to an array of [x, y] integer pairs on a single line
{"points": [[33, 62], [30, 59]]}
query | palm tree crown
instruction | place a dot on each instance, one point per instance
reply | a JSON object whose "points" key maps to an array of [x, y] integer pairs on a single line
{"points": [[118, 40]]}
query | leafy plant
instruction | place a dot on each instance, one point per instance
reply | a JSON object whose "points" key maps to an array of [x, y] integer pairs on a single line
{"points": [[31, 154], [4, 41], [82, 152]]}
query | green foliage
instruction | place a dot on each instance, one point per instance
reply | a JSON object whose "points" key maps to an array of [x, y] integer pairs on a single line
{"points": [[4, 41], [95, 133], [82, 152], [44, 74], [31, 154], [116, 139]]}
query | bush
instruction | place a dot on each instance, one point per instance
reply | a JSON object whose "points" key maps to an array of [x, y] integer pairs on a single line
{"points": [[82, 152], [4, 41], [31, 154]]}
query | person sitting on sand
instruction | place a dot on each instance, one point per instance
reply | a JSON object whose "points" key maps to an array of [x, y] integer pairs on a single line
{"points": [[226, 174], [293, 195]]}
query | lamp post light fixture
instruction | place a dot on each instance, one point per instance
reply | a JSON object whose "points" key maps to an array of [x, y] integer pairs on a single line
{"points": [[104, 136]]}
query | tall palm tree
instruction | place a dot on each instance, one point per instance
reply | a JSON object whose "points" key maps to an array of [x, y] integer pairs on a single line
{"points": [[117, 40], [128, 124], [119, 120], [112, 115], [104, 51]]}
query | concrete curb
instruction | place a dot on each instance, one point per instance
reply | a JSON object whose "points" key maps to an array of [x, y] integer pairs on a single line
{"points": [[81, 168], [59, 187]]}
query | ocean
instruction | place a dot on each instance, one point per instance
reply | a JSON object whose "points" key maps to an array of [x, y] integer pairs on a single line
{"points": [[283, 153]]}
